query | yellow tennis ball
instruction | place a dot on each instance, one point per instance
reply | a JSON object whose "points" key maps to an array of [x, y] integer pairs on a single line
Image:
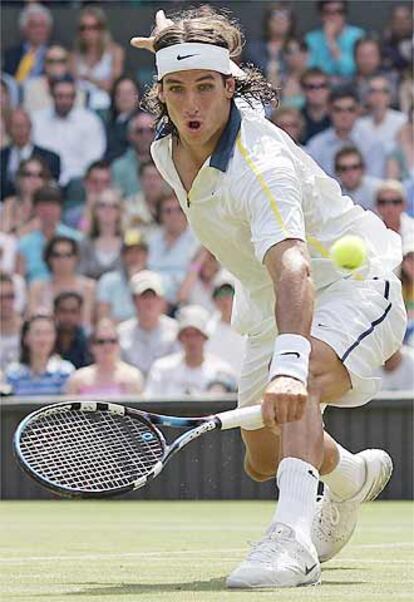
{"points": [[348, 252]]}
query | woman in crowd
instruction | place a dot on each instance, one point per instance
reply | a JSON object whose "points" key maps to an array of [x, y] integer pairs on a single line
{"points": [[268, 53], [198, 285], [40, 370], [17, 211], [108, 375], [5, 112], [96, 60], [62, 257], [124, 103], [296, 56], [100, 252]]}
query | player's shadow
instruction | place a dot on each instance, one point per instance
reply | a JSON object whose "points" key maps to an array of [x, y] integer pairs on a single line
{"points": [[136, 589]]}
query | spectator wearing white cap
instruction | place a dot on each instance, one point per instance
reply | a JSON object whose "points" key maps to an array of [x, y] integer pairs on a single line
{"points": [[191, 370], [225, 342], [150, 335]]}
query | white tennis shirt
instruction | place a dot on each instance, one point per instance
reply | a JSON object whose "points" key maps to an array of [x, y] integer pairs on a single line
{"points": [[259, 188]]}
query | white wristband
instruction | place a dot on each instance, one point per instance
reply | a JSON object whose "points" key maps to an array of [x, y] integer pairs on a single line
{"points": [[290, 357]]}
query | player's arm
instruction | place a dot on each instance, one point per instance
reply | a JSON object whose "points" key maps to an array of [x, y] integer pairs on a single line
{"points": [[289, 268]]}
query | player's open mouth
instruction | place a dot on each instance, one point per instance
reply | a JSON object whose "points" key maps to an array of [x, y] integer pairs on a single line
{"points": [[194, 124]]}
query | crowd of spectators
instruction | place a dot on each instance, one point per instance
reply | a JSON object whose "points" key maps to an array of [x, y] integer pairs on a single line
{"points": [[103, 287]]}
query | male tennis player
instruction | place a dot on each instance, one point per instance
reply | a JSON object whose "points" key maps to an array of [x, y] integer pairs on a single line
{"points": [[315, 334]]}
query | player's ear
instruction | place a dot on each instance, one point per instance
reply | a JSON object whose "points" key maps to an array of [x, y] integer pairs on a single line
{"points": [[160, 92], [230, 86]]}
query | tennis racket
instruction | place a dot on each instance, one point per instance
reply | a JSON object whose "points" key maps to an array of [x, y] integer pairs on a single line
{"points": [[97, 449]]}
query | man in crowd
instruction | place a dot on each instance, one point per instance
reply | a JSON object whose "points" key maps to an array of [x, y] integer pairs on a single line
{"points": [[21, 148], [391, 205], [290, 120], [47, 207], [351, 174], [81, 200], [71, 339], [150, 334], [369, 64], [381, 122], [125, 168], [77, 134], [191, 370], [315, 84], [27, 58], [345, 131]]}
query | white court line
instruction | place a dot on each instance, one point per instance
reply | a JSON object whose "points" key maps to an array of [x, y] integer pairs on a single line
{"points": [[200, 553]]}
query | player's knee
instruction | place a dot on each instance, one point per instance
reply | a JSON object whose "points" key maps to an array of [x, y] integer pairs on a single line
{"points": [[256, 472]]}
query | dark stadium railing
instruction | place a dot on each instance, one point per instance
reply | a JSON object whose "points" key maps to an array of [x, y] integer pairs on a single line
{"points": [[212, 467]]}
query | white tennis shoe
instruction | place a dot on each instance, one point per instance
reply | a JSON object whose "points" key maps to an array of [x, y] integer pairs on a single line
{"points": [[334, 521], [277, 560]]}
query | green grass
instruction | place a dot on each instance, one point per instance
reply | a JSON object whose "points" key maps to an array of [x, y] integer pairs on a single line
{"points": [[182, 551]]}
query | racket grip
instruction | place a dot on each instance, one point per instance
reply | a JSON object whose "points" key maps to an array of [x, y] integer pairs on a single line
{"points": [[249, 418]]}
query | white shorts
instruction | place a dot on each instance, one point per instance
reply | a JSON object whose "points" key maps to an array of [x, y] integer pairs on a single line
{"points": [[362, 321]]}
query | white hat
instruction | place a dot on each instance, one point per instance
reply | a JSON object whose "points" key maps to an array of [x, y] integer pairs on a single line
{"points": [[146, 281], [193, 316], [223, 278]]}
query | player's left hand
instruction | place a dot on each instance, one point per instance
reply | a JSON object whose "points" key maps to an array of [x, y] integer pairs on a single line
{"points": [[161, 22], [283, 401]]}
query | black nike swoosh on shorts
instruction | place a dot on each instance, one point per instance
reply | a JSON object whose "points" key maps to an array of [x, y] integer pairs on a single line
{"points": [[185, 56]]}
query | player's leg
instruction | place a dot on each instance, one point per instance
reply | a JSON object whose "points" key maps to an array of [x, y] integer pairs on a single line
{"points": [[286, 556]]}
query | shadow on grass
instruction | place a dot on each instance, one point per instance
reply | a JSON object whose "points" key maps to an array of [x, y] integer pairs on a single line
{"points": [[136, 589]]}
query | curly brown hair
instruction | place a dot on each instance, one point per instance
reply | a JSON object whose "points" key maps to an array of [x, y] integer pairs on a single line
{"points": [[206, 25]]}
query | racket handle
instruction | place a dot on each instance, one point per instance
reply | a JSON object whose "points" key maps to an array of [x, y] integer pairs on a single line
{"points": [[249, 418]]}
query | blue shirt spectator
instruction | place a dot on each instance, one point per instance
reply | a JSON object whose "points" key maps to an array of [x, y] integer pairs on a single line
{"points": [[332, 47]]}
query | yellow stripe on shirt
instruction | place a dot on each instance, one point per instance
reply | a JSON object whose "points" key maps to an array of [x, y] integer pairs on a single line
{"points": [[263, 184]]}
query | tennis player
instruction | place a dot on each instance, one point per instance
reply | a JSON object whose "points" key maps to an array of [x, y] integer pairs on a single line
{"points": [[315, 334]]}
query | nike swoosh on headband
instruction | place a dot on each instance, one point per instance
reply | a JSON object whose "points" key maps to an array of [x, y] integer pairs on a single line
{"points": [[185, 56]]}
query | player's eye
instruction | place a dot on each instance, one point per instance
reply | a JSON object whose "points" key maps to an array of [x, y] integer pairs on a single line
{"points": [[205, 87], [175, 89]]}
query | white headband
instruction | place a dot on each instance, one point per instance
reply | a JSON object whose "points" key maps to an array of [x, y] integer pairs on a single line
{"points": [[192, 55]]}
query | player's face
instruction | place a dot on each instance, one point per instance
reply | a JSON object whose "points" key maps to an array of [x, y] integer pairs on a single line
{"points": [[198, 103]]}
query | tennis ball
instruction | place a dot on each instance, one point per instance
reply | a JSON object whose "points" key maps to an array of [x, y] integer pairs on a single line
{"points": [[348, 252]]}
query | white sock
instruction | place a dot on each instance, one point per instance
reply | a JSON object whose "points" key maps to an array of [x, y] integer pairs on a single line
{"points": [[348, 477], [298, 483]]}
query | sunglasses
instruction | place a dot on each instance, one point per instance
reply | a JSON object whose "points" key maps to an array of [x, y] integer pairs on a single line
{"points": [[101, 205], [349, 109], [85, 27], [144, 130], [57, 255], [32, 174], [378, 91], [333, 11], [316, 86], [345, 168], [56, 61], [108, 341], [395, 201]]}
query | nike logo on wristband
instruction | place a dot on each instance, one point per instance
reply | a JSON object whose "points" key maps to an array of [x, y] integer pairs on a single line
{"points": [[308, 570], [185, 56], [291, 353]]}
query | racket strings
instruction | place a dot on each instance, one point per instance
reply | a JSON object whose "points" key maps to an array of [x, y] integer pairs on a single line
{"points": [[94, 451]]}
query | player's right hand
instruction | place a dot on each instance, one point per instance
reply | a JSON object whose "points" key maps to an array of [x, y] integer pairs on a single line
{"points": [[283, 401]]}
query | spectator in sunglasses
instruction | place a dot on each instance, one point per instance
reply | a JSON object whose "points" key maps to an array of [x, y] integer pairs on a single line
{"points": [[332, 46], [37, 91], [61, 256], [391, 205], [346, 130], [351, 175], [109, 375], [316, 88], [97, 61], [125, 168]]}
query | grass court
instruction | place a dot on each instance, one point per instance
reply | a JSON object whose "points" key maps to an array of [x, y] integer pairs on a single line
{"points": [[127, 551]]}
